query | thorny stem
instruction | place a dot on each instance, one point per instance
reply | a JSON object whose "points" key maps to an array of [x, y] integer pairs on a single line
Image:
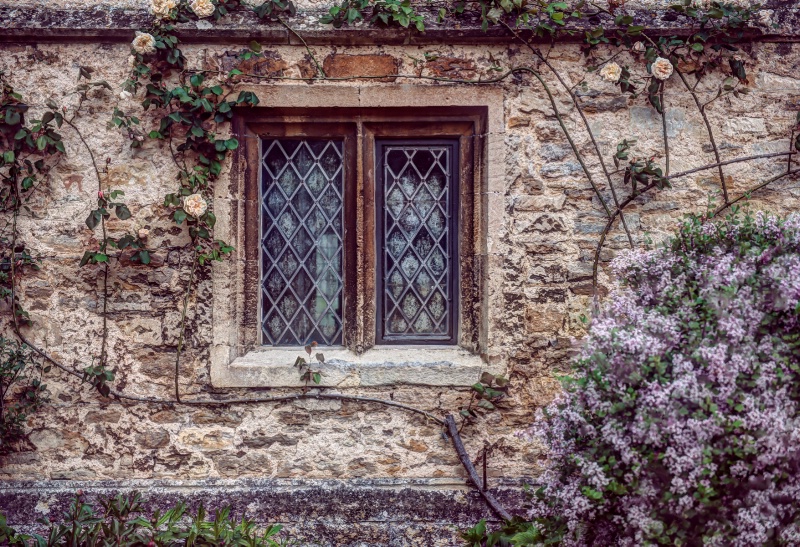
{"points": [[596, 146], [104, 338], [630, 198], [753, 189], [710, 132], [569, 139], [664, 129], [471, 472], [607, 228], [320, 71], [183, 325]]}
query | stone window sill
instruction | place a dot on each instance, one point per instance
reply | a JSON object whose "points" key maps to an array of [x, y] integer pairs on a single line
{"points": [[380, 366]]}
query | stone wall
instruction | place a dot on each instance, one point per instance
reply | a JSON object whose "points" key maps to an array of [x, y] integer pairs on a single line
{"points": [[538, 276]]}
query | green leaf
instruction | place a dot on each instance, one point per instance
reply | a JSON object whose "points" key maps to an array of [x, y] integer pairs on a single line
{"points": [[12, 117], [232, 144], [122, 211], [179, 216], [93, 219], [317, 377], [196, 80], [255, 46]]}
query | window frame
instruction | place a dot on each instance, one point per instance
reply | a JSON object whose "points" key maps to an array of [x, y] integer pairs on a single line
{"points": [[453, 245], [361, 127]]}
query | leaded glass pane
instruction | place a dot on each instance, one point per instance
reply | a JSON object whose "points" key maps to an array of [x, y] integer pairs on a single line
{"points": [[417, 264], [302, 184]]}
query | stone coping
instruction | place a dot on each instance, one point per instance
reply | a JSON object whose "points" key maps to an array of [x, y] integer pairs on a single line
{"points": [[380, 366], [110, 24], [387, 500]]}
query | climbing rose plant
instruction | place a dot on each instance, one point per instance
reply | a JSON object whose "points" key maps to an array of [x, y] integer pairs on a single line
{"points": [[681, 422]]}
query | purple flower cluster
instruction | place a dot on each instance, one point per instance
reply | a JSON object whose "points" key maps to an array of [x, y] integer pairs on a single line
{"points": [[681, 422]]}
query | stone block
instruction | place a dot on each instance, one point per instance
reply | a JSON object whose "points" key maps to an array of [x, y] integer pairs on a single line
{"points": [[337, 65], [154, 438]]}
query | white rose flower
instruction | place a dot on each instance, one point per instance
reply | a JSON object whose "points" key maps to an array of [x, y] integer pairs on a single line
{"points": [[661, 68], [639, 47], [611, 72], [202, 8], [125, 95], [161, 8], [195, 205], [253, 3], [765, 17], [143, 233], [144, 43]]}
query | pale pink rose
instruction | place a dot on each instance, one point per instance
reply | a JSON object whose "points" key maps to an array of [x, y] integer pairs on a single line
{"points": [[661, 68], [195, 205], [202, 8], [162, 8], [611, 72], [144, 43]]}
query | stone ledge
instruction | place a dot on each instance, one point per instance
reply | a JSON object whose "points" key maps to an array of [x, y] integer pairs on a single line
{"points": [[381, 366], [36, 24], [358, 512]]}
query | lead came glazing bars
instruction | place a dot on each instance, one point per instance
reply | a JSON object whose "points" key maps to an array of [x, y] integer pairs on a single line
{"points": [[416, 229], [301, 210]]}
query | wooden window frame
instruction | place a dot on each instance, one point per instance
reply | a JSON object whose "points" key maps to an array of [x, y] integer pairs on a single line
{"points": [[360, 127], [454, 311]]}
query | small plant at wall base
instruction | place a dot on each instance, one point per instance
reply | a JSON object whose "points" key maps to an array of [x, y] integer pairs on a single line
{"points": [[126, 521], [679, 423]]}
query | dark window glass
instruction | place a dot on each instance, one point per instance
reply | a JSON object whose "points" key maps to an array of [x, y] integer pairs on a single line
{"points": [[301, 212], [417, 220]]}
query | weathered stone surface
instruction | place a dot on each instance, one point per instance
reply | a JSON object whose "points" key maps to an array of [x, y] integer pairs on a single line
{"points": [[339, 65], [536, 237]]}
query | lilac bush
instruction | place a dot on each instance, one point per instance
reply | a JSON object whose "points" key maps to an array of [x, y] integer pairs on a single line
{"points": [[681, 422]]}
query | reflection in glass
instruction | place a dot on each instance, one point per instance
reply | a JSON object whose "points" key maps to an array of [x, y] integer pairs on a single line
{"points": [[302, 184], [416, 256]]}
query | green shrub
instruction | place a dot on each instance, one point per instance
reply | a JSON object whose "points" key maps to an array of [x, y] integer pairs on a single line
{"points": [[124, 522], [21, 391]]}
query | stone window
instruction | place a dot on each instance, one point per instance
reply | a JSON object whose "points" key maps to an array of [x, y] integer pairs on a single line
{"points": [[362, 229], [359, 229], [303, 264]]}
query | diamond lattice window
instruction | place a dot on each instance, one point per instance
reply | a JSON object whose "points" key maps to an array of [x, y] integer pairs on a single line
{"points": [[301, 200], [416, 225]]}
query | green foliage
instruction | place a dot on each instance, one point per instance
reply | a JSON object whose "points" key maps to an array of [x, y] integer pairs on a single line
{"points": [[105, 204], [486, 395], [99, 377], [307, 373], [383, 12], [124, 521], [21, 391], [27, 153], [516, 533]]}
